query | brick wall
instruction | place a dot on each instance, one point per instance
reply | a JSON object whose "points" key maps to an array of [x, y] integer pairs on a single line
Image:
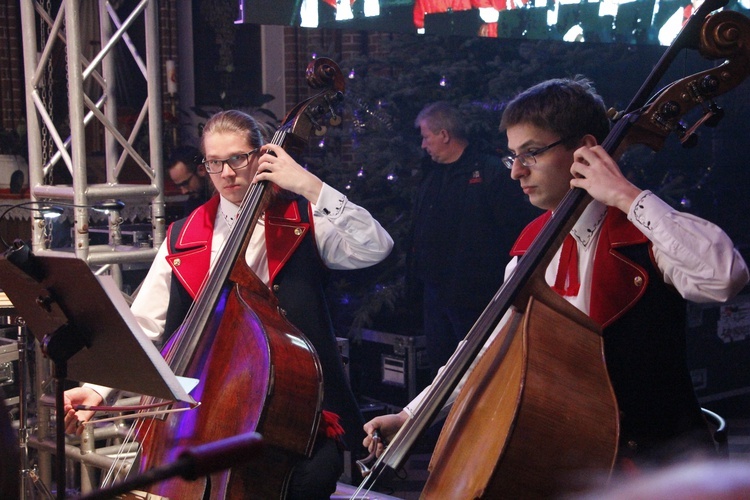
{"points": [[168, 52], [301, 43], [12, 107]]}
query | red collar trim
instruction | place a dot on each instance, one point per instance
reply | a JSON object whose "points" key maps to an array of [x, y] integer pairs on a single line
{"points": [[191, 261], [529, 233], [625, 281], [199, 227], [284, 233]]}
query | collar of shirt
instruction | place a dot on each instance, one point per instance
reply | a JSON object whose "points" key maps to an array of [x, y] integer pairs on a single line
{"points": [[255, 256], [588, 223], [228, 211]]}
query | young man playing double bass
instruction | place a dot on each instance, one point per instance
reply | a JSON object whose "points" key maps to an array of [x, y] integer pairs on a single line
{"points": [[323, 229], [638, 261]]}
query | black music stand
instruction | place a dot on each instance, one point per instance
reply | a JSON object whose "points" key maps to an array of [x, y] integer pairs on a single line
{"points": [[87, 329]]}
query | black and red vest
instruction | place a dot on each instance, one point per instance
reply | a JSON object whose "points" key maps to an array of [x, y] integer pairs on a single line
{"points": [[644, 331]]}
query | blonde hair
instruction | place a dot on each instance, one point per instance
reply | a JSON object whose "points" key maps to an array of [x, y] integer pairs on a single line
{"points": [[233, 122]]}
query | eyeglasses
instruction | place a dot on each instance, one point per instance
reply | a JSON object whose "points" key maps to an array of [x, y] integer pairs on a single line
{"points": [[528, 158], [185, 183], [235, 162]]}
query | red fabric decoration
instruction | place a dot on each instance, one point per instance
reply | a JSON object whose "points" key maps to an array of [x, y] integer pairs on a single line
{"points": [[330, 426], [566, 282]]}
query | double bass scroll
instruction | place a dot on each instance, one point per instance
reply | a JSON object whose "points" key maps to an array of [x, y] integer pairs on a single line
{"points": [[724, 35]]}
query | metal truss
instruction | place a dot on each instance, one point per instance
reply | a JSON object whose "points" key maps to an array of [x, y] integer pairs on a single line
{"points": [[92, 98]]}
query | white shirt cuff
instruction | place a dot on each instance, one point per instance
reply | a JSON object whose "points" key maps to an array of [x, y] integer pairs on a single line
{"points": [[330, 202], [647, 210]]}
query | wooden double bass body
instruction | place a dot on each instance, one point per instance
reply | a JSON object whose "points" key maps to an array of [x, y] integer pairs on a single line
{"points": [[539, 400], [256, 371], [265, 378], [537, 414]]}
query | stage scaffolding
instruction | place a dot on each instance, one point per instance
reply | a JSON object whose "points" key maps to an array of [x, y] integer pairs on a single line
{"points": [[92, 108], [54, 40]]}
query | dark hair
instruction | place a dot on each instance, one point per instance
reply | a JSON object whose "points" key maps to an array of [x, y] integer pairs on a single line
{"points": [[234, 122], [569, 107], [442, 116], [189, 155]]}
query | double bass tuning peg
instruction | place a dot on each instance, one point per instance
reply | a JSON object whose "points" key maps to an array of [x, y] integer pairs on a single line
{"points": [[614, 115], [714, 116], [688, 138]]}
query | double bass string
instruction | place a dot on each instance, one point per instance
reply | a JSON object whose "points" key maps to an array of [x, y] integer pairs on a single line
{"points": [[184, 339], [192, 326], [574, 202], [490, 322], [232, 280]]}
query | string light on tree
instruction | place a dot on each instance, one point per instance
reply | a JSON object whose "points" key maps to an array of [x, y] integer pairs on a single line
{"points": [[443, 81], [352, 74]]}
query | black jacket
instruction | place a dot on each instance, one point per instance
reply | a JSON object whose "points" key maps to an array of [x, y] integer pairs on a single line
{"points": [[467, 215]]}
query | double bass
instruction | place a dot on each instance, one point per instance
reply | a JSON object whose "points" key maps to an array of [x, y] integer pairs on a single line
{"points": [[256, 372], [537, 410]]}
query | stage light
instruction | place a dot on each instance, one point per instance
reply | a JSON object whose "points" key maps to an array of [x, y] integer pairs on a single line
{"points": [[44, 210], [50, 212], [109, 206]]}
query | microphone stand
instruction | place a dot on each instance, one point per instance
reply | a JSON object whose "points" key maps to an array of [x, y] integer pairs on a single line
{"points": [[191, 464]]}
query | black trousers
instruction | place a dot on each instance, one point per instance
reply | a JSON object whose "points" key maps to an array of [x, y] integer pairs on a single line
{"points": [[315, 477]]}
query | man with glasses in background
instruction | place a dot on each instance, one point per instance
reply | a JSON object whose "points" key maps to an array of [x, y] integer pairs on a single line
{"points": [[189, 176]]}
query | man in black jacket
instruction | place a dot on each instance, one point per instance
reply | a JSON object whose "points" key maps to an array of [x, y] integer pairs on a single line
{"points": [[467, 215]]}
